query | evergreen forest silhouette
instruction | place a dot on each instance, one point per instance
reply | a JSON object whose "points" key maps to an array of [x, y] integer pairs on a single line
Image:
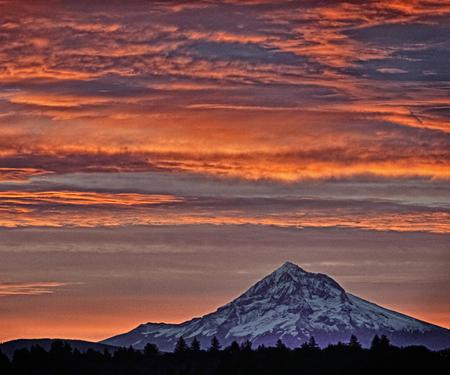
{"points": [[189, 358]]}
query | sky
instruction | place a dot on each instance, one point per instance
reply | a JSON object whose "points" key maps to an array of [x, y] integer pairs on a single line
{"points": [[158, 158]]}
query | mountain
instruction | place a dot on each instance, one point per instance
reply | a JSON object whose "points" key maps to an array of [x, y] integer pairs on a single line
{"points": [[292, 305], [10, 347]]}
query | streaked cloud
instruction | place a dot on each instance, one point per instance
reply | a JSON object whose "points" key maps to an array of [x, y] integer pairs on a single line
{"points": [[88, 209], [68, 198], [29, 289], [19, 174]]}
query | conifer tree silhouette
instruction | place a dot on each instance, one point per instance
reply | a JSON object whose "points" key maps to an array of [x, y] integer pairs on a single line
{"points": [[354, 343], [181, 346], [384, 358], [151, 350], [195, 345], [234, 348], [246, 346], [375, 343], [280, 345], [215, 345]]}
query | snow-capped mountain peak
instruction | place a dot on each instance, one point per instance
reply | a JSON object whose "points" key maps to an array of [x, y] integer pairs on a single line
{"points": [[290, 284], [291, 304], [289, 267]]}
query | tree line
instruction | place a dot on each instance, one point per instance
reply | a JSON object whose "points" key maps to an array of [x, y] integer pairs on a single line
{"points": [[189, 358]]}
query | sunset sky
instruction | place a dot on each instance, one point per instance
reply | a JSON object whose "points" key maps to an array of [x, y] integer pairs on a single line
{"points": [[158, 158]]}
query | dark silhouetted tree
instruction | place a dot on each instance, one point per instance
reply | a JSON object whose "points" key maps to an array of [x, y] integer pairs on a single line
{"points": [[106, 354], [246, 346], [234, 348], [60, 354], [215, 345], [195, 345], [354, 343], [22, 360], [4, 363], [311, 344], [384, 342], [380, 343], [151, 350], [38, 355], [375, 343], [181, 346], [280, 345]]}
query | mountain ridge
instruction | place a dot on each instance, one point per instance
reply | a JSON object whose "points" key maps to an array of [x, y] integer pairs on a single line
{"points": [[291, 304]]}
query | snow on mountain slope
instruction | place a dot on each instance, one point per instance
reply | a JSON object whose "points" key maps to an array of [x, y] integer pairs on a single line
{"points": [[291, 304]]}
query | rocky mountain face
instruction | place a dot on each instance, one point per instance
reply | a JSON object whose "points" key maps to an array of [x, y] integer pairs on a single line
{"points": [[292, 305]]}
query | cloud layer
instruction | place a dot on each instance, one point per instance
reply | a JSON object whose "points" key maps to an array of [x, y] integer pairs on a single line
{"points": [[251, 90]]}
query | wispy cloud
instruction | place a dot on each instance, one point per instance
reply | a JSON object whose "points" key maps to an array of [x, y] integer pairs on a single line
{"points": [[20, 174], [36, 288]]}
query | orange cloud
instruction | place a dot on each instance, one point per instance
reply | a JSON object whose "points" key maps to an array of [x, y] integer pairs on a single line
{"points": [[29, 288], [87, 209], [20, 174], [84, 198]]}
